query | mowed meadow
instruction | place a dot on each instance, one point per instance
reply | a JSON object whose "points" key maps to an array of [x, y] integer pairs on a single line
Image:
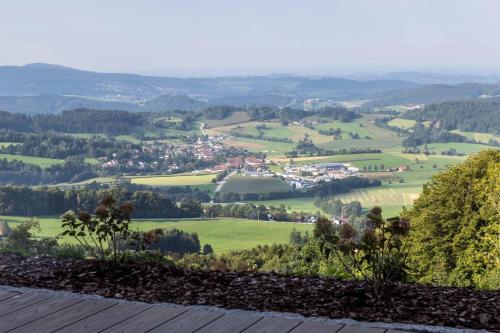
{"points": [[224, 234], [173, 180]]}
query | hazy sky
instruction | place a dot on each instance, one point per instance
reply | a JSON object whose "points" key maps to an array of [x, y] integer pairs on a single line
{"points": [[188, 37]]}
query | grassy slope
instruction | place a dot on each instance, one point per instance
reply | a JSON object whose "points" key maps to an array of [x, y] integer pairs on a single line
{"points": [[223, 234], [402, 123], [478, 136], [353, 126], [234, 118], [43, 162], [175, 180], [261, 185], [274, 129], [305, 205], [461, 147]]}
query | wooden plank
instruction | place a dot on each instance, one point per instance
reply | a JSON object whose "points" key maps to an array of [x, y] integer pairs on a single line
{"points": [[146, 320], [34, 312], [66, 316], [273, 325], [360, 329], [19, 302], [230, 323], [107, 318], [7, 294], [188, 322], [315, 326]]}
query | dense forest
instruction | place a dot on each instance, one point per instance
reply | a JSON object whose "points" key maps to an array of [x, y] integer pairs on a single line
{"points": [[322, 189], [74, 169], [290, 114], [421, 135], [472, 116], [110, 122], [60, 146], [148, 203]]}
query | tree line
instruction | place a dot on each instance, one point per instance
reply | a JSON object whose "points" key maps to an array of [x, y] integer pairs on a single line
{"points": [[26, 201], [321, 189], [471, 116]]}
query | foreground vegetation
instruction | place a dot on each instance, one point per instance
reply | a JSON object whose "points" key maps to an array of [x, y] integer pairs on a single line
{"points": [[450, 237], [223, 234]]}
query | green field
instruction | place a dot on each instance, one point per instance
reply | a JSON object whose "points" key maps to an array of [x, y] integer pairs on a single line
{"points": [[6, 144], [128, 138], [272, 149], [42, 162], [391, 198], [305, 205], [358, 160], [461, 147], [223, 234], [479, 137], [273, 129], [234, 118], [86, 135], [364, 126], [259, 185], [402, 123], [399, 108], [173, 180], [353, 127]]}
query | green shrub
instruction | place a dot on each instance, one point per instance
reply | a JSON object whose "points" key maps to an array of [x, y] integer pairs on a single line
{"points": [[20, 240], [378, 254], [69, 251], [149, 257], [166, 241], [103, 235], [207, 249]]}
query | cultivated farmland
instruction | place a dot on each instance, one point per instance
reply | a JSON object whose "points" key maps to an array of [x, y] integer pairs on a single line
{"points": [[259, 185], [173, 180]]}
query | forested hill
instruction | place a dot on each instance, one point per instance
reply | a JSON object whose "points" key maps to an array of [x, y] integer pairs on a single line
{"points": [[74, 121], [473, 116], [54, 104], [438, 93]]}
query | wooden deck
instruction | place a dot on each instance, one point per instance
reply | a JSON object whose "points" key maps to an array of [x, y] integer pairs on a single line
{"points": [[33, 312]]}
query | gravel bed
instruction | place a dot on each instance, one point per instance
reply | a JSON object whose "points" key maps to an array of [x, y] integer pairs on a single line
{"points": [[304, 295]]}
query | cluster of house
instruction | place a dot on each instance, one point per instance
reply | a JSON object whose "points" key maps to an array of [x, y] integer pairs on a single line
{"points": [[245, 164], [305, 122], [150, 157], [304, 176], [207, 149]]}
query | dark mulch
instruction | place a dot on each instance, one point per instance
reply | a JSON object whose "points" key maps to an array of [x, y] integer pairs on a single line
{"points": [[309, 296]]}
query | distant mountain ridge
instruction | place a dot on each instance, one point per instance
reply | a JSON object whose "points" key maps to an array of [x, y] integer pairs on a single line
{"points": [[439, 93], [45, 88], [40, 79]]}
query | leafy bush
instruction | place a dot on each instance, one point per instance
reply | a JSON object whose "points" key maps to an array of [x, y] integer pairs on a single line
{"points": [[69, 251], [456, 225], [20, 240], [378, 254], [149, 257], [166, 241], [104, 234], [207, 249]]}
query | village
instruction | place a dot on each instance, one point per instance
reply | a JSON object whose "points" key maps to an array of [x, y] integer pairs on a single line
{"points": [[211, 153]]}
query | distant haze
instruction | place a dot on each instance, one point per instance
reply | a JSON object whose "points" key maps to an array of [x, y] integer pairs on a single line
{"points": [[234, 37]]}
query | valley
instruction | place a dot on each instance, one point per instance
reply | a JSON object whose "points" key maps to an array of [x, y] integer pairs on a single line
{"points": [[239, 158]]}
